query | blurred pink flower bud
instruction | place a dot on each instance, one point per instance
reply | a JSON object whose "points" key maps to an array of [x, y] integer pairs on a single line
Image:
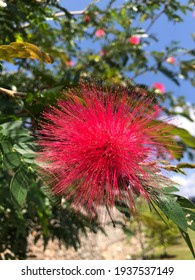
{"points": [[100, 33], [170, 60], [159, 86], [101, 53], [134, 40], [70, 63]]}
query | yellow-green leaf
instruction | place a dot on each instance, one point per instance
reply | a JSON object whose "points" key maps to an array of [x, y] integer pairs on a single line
{"points": [[23, 50]]}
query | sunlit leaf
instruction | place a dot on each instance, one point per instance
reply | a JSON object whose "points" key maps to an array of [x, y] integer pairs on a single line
{"points": [[186, 137], [23, 50]]}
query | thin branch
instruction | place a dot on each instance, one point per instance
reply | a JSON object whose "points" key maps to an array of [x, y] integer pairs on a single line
{"points": [[139, 74], [61, 14], [113, 223], [12, 93], [179, 166], [157, 16]]}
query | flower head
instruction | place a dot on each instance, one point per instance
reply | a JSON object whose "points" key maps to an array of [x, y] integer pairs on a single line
{"points": [[99, 147], [100, 33], [159, 87], [134, 40], [170, 60]]}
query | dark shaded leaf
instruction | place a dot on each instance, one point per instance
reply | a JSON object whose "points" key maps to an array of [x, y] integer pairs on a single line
{"points": [[123, 208], [171, 75], [11, 160], [19, 186], [184, 202]]}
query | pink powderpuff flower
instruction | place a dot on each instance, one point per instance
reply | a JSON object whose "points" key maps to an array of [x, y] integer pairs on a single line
{"points": [[134, 40], [100, 33], [170, 60], [159, 86], [98, 147]]}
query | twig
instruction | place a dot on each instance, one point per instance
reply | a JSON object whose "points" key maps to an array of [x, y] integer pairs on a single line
{"points": [[178, 166], [157, 16], [139, 74], [113, 223], [61, 14], [12, 93]]}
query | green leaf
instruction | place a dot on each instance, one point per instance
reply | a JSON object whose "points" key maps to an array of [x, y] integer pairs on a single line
{"points": [[123, 208], [128, 232], [178, 167], [23, 50], [171, 75], [15, 131], [1, 136], [186, 165], [186, 137], [11, 160], [188, 241], [172, 210], [184, 202], [6, 147], [170, 189], [9, 126], [19, 186], [25, 149], [171, 130]]}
